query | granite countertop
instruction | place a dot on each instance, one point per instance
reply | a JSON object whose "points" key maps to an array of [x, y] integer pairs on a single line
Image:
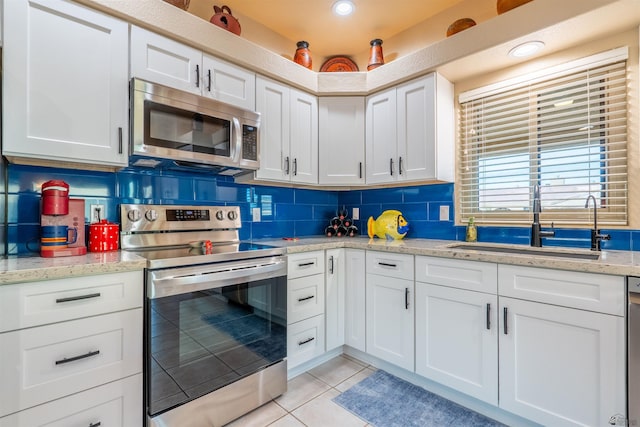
{"points": [[622, 263], [31, 269]]}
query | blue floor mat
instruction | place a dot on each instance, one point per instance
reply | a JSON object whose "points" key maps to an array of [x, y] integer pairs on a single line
{"points": [[384, 400]]}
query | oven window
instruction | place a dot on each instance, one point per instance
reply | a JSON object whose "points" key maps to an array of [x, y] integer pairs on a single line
{"points": [[201, 341], [177, 129]]}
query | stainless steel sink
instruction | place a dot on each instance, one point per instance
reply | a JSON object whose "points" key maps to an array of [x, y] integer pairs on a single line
{"points": [[527, 251]]}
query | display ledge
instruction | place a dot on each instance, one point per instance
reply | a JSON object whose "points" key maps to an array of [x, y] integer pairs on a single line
{"points": [[32, 269], [475, 51], [620, 263]]}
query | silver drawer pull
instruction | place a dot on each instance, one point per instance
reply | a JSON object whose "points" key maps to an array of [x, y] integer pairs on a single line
{"points": [[73, 359], [79, 297], [95, 424], [306, 264], [386, 264], [308, 340], [305, 298]]}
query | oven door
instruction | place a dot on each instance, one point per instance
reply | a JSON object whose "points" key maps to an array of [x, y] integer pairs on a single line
{"points": [[211, 325]]}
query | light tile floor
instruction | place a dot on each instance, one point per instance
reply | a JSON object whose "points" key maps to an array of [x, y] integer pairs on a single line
{"points": [[307, 401]]}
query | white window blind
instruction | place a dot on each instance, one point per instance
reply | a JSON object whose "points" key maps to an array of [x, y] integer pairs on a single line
{"points": [[567, 134]]}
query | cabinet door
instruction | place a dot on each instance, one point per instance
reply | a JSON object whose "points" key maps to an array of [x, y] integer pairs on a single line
{"points": [[561, 366], [390, 324], [228, 83], [457, 340], [341, 136], [272, 102], [158, 59], [381, 141], [66, 82], [304, 137], [417, 129], [355, 299], [335, 298]]}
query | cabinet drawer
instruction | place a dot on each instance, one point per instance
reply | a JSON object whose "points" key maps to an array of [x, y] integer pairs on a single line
{"points": [[305, 264], [305, 298], [25, 305], [389, 264], [462, 274], [118, 403], [48, 362], [587, 291], [305, 340]]}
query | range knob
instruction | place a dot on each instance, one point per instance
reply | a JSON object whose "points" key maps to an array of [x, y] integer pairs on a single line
{"points": [[232, 215], [133, 215], [219, 215], [151, 215]]}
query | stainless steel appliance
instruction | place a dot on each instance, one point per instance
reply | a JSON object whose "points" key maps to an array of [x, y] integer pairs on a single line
{"points": [[215, 314], [169, 126], [633, 352]]}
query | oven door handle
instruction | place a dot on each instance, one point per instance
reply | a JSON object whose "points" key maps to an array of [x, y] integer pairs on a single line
{"points": [[190, 279]]}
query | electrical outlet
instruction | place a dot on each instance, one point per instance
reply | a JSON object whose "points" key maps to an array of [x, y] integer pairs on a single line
{"points": [[355, 214], [256, 214], [97, 213], [444, 213]]}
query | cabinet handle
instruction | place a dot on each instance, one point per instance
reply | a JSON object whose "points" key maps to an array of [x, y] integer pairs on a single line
{"points": [[73, 359], [197, 75], [406, 298], [331, 264], [306, 264], [79, 297], [360, 170], [391, 167], [488, 316], [386, 264], [305, 298], [209, 80], [504, 314], [295, 167], [98, 424], [119, 140], [306, 341], [286, 168], [400, 165]]}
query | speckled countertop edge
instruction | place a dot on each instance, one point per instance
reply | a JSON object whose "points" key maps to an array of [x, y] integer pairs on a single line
{"points": [[621, 263], [32, 269]]}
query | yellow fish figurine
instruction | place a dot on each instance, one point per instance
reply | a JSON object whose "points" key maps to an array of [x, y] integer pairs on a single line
{"points": [[390, 225]]}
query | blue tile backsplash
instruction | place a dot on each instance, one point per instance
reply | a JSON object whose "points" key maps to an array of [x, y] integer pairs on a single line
{"points": [[285, 212]]}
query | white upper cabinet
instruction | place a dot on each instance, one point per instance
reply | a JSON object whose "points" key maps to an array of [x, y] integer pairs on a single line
{"points": [[410, 132], [162, 60], [341, 140], [65, 83], [288, 133]]}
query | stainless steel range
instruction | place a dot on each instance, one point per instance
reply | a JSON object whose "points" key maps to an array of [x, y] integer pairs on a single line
{"points": [[215, 314]]}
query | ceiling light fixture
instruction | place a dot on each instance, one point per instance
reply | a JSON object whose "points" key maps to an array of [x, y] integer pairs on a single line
{"points": [[343, 7], [526, 49]]}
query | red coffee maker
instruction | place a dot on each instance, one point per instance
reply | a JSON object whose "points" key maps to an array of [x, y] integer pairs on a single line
{"points": [[58, 209]]}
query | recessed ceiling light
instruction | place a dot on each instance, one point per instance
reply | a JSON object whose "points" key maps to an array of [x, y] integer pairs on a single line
{"points": [[526, 49], [343, 7]]}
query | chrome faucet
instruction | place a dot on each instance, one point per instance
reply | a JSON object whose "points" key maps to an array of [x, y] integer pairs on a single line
{"points": [[596, 236], [536, 233]]}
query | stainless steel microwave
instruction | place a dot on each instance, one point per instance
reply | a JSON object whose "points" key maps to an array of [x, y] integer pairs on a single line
{"points": [[188, 129]]}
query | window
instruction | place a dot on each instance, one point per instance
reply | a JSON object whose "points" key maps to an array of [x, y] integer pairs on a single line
{"points": [[564, 130]]}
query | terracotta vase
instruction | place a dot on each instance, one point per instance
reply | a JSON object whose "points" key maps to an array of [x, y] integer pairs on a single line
{"points": [[376, 58], [506, 5], [302, 55], [460, 25]]}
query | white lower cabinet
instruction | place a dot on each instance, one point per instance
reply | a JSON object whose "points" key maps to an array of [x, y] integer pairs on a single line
{"points": [[335, 298], [561, 366], [305, 340], [355, 320], [117, 403], [456, 339]]}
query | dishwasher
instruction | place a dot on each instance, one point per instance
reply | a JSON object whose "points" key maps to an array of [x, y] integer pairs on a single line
{"points": [[633, 351]]}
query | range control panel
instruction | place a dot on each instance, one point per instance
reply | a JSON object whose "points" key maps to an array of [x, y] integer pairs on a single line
{"points": [[142, 218]]}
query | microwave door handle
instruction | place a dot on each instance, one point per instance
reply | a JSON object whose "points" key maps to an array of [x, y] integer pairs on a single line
{"points": [[236, 140]]}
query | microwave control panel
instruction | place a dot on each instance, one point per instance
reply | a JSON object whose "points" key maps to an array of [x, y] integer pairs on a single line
{"points": [[249, 142]]}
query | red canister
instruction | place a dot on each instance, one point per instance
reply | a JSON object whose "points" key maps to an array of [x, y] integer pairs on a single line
{"points": [[103, 236], [55, 197]]}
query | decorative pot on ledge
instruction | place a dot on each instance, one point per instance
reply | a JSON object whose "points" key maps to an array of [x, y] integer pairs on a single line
{"points": [[506, 5], [376, 58]]}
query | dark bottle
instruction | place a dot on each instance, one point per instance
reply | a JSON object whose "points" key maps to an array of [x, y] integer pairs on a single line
{"points": [[335, 222], [341, 231], [347, 222], [352, 231], [330, 231], [376, 58], [302, 55], [343, 213]]}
